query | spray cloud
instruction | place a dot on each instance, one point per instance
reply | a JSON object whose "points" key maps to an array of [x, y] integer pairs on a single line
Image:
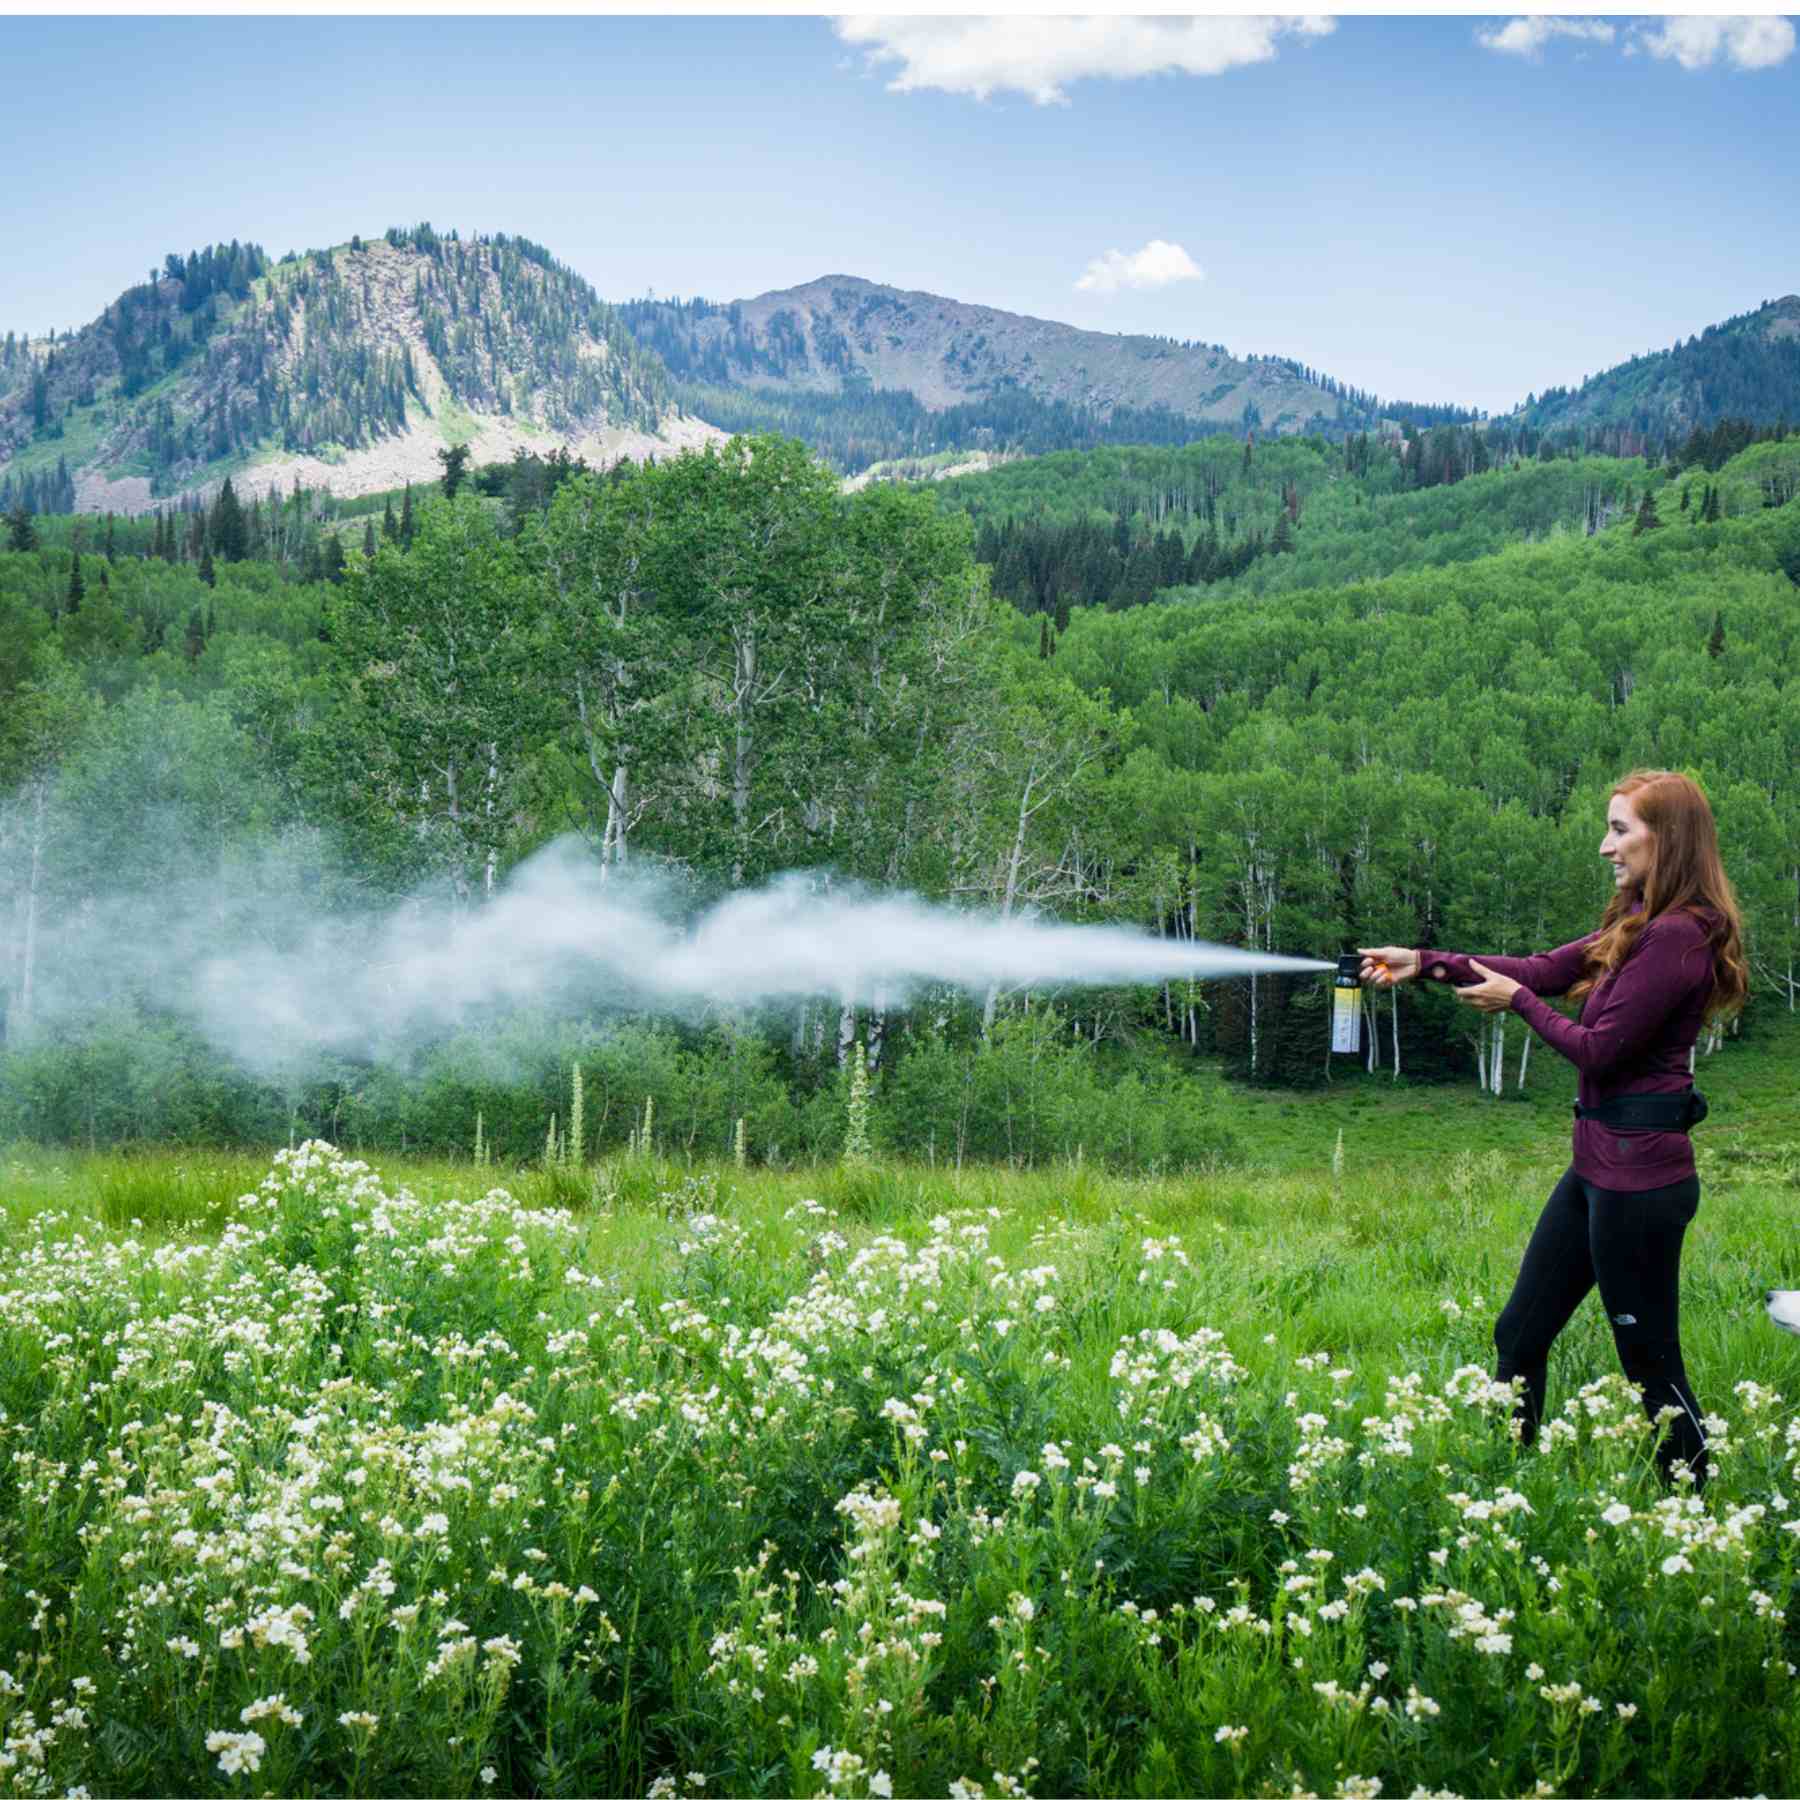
{"points": [[271, 981]]}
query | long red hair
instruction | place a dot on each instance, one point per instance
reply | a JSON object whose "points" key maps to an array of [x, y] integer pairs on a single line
{"points": [[1685, 872]]}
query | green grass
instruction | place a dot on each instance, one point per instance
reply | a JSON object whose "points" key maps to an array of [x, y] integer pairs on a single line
{"points": [[455, 423], [84, 431]]}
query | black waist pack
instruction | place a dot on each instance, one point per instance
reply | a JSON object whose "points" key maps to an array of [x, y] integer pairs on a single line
{"points": [[1647, 1112]]}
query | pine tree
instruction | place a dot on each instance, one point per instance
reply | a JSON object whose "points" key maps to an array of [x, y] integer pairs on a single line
{"points": [[390, 529], [227, 525], [21, 534], [77, 587], [334, 558], [369, 541], [206, 566], [1715, 643], [406, 518], [1646, 515], [195, 642], [455, 459]]}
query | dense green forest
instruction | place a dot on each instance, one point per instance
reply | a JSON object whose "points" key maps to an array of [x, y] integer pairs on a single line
{"points": [[1117, 527], [722, 667]]}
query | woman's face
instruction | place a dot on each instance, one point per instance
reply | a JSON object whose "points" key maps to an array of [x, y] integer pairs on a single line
{"points": [[1629, 844]]}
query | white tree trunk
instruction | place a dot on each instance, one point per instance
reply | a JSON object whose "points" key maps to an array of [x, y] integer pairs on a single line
{"points": [[33, 887], [616, 787], [1524, 1057], [1162, 930], [487, 808], [743, 750], [1394, 1007], [1013, 864], [846, 1031], [1193, 1015], [618, 814]]}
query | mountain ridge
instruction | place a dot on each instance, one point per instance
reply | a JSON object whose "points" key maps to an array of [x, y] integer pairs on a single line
{"points": [[1743, 366], [840, 332], [354, 365]]}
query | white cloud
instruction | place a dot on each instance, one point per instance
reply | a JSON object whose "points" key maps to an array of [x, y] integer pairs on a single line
{"points": [[1037, 56], [1156, 265], [1528, 36], [1744, 42]]}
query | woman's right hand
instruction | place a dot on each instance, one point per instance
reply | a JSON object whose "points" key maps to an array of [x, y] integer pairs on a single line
{"points": [[1388, 967]]}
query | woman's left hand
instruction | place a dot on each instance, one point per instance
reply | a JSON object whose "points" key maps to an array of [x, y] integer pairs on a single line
{"points": [[1493, 994]]}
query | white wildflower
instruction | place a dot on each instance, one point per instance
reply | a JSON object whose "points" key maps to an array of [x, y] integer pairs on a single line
{"points": [[239, 1752]]}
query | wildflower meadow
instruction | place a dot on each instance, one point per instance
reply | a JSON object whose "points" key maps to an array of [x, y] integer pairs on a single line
{"points": [[868, 1481]]}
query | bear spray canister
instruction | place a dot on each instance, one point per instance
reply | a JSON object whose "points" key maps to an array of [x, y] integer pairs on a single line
{"points": [[1346, 1007]]}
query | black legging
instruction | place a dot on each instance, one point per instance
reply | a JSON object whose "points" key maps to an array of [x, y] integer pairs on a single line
{"points": [[1631, 1245]]}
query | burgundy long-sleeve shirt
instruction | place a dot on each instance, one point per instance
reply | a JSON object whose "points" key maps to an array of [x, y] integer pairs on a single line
{"points": [[1634, 1035]]}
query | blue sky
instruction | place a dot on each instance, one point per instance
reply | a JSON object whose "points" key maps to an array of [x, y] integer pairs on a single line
{"points": [[1388, 199]]}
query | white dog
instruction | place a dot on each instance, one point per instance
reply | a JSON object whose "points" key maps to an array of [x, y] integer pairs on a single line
{"points": [[1784, 1308]]}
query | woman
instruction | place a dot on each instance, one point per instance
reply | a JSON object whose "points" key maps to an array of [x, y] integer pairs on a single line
{"points": [[1667, 956]]}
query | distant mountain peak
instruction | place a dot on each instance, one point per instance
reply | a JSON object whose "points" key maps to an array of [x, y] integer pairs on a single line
{"points": [[352, 365], [842, 332]]}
